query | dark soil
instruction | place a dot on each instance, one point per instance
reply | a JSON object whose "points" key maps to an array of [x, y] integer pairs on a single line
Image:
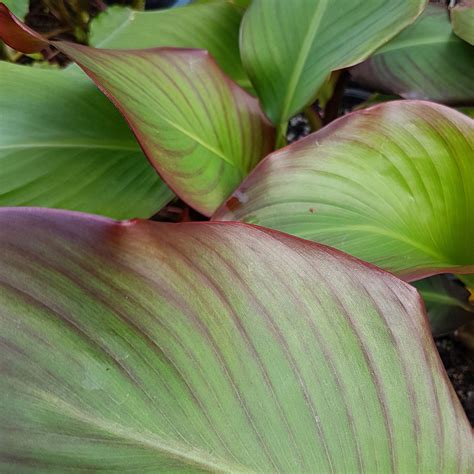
{"points": [[459, 363]]}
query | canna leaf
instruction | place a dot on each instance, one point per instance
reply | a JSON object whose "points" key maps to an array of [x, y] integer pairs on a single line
{"points": [[425, 61], [201, 131], [392, 185], [289, 48], [212, 347], [462, 19], [63, 145], [18, 7], [447, 303], [213, 26]]}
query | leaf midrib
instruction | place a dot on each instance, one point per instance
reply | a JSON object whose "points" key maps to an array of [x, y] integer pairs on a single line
{"points": [[205, 145], [303, 55], [107, 40]]}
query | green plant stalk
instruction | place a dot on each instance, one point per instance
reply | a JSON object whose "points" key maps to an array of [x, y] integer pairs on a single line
{"points": [[280, 139]]}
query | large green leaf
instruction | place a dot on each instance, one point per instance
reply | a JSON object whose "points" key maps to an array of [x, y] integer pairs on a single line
{"points": [[213, 26], [462, 19], [62, 144], [425, 61], [216, 347], [447, 303], [200, 130], [290, 47], [392, 184]]}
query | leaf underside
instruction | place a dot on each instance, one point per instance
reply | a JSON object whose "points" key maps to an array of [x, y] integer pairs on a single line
{"points": [[146, 347]]}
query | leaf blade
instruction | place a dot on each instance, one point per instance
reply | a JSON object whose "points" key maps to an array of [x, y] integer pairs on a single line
{"points": [[462, 19], [425, 61], [288, 49], [204, 356], [214, 27], [63, 145], [165, 97], [361, 183]]}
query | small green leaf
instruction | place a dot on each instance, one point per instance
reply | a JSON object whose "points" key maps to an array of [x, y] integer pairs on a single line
{"points": [[212, 347], [290, 47], [392, 185], [425, 61], [213, 26], [462, 19], [447, 303], [63, 145]]}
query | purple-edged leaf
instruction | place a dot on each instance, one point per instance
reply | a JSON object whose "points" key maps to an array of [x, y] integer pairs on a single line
{"points": [[289, 48], [201, 131], [212, 347], [392, 184], [213, 26], [447, 303], [425, 61], [462, 19]]}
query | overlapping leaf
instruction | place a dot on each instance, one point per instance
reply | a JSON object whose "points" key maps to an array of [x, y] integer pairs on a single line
{"points": [[462, 19], [392, 184], [201, 131], [146, 347], [447, 303], [213, 26], [289, 48], [425, 61], [62, 144]]}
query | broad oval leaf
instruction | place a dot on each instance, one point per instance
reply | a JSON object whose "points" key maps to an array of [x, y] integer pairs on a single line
{"points": [[447, 303], [63, 145], [147, 347], [213, 26], [200, 130], [462, 19], [290, 47], [392, 184], [425, 61]]}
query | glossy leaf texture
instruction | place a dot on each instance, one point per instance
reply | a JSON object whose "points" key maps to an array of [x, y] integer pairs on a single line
{"points": [[447, 303], [462, 19], [425, 61], [213, 26], [392, 185], [200, 130], [289, 48], [63, 145], [212, 347]]}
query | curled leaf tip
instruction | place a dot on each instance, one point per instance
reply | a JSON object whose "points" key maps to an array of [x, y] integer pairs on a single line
{"points": [[17, 35]]}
